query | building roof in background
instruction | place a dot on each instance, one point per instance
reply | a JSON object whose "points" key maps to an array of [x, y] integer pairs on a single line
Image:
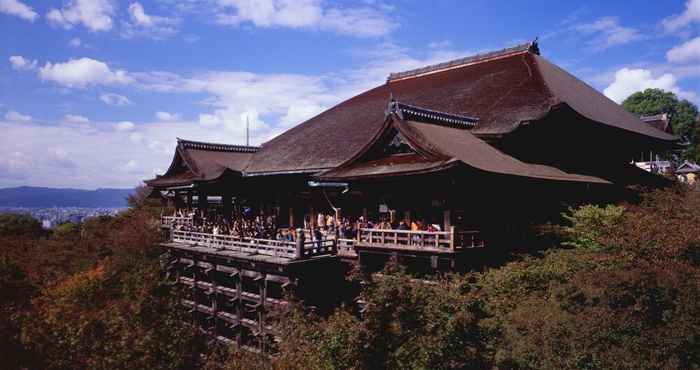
{"points": [[659, 122], [688, 167]]}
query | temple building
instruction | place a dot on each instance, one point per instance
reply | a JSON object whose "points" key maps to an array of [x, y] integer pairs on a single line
{"points": [[479, 148]]}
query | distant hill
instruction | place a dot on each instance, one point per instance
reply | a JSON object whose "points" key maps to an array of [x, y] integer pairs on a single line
{"points": [[27, 196]]}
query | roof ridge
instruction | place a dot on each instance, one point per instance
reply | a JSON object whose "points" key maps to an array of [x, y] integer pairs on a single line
{"points": [[191, 144], [531, 47], [421, 114]]}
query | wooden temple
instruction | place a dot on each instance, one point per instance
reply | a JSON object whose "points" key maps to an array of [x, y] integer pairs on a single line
{"points": [[483, 147]]}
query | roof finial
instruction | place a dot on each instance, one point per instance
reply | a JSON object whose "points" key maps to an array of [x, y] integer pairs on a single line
{"points": [[534, 47]]}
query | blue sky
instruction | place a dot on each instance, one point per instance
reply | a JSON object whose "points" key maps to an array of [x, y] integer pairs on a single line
{"points": [[93, 93]]}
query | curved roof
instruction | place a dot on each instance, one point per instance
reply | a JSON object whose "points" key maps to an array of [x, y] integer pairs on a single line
{"points": [[503, 89], [438, 146], [199, 161]]}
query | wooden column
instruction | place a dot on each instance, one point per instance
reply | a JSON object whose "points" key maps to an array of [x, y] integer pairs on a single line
{"points": [[203, 202], [291, 219], [447, 219], [226, 200], [189, 200], [300, 244]]}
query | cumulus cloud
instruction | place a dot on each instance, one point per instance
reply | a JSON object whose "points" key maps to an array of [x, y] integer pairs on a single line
{"points": [[75, 42], [358, 21], [142, 24], [679, 21], [95, 15], [686, 52], [77, 119], [271, 102], [608, 32], [167, 117], [114, 99], [83, 72], [125, 126], [20, 63], [18, 9], [628, 81], [14, 116]]}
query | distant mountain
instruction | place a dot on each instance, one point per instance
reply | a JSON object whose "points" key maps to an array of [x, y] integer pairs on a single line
{"points": [[28, 196]]}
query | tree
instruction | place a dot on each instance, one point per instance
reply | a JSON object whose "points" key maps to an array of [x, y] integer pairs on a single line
{"points": [[683, 115], [17, 225]]}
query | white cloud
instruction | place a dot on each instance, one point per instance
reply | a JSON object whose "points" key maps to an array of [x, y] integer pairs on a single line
{"points": [[142, 24], [83, 72], [77, 119], [679, 21], [608, 32], [167, 117], [19, 9], [686, 52], [19, 63], [75, 42], [125, 126], [115, 99], [272, 103], [136, 138], [357, 21], [628, 81], [95, 15], [13, 116]]}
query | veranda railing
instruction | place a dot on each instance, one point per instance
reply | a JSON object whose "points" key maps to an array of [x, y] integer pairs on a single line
{"points": [[170, 221], [299, 249]]}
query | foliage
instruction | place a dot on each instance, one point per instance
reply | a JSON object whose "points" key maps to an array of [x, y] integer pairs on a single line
{"points": [[587, 222], [683, 115], [625, 297], [95, 299], [19, 225]]}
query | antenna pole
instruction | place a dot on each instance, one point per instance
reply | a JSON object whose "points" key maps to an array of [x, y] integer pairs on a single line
{"points": [[247, 131]]}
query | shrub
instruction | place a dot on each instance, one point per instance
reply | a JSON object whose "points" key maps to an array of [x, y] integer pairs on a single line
{"points": [[588, 222]]}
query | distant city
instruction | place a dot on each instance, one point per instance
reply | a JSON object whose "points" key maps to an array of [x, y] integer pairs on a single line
{"points": [[53, 216]]}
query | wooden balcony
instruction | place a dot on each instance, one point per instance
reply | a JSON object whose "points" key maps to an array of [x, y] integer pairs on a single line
{"points": [[419, 241], [243, 246], [171, 221]]}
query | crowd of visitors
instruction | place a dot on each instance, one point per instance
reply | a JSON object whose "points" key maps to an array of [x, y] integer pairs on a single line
{"points": [[246, 224]]}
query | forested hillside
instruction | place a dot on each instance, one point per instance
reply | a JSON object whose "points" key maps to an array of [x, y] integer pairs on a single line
{"points": [[619, 290]]}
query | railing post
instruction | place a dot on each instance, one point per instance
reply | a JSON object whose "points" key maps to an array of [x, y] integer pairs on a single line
{"points": [[452, 238], [334, 247], [300, 244]]}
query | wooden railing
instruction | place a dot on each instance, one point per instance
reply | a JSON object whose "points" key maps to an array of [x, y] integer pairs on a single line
{"points": [[346, 247], [170, 221], [275, 248], [441, 241], [469, 239], [299, 249]]}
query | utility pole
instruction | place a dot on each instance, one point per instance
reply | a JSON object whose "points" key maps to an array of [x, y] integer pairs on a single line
{"points": [[247, 131]]}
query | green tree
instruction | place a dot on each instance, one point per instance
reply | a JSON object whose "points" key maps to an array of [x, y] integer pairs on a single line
{"points": [[19, 225], [683, 115]]}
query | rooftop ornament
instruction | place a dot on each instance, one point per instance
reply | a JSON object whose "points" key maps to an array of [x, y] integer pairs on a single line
{"points": [[413, 113]]}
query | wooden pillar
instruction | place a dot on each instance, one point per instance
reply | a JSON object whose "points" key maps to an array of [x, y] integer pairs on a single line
{"points": [[203, 202], [239, 306], [189, 200], [300, 244], [227, 207], [447, 219], [312, 216], [291, 218], [407, 217]]}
